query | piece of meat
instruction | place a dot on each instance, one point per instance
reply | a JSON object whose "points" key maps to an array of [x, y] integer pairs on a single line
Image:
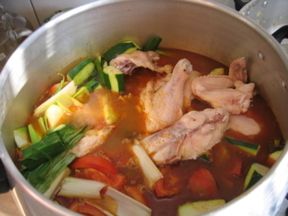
{"points": [[218, 91], [127, 62], [195, 133], [91, 140], [188, 96], [163, 100], [244, 125], [237, 69]]}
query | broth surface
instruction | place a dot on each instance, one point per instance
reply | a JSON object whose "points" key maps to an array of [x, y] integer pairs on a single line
{"points": [[223, 155]]}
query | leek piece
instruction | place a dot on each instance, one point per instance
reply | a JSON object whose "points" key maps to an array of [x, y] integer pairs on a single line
{"points": [[51, 190], [255, 173], [51, 145], [69, 89], [118, 49], [152, 43], [250, 148], [21, 137], [54, 114], [217, 71], [81, 72], [115, 78], [43, 125], [101, 77], [83, 188], [35, 136], [43, 176], [92, 85], [200, 207], [84, 92], [76, 187], [275, 155], [151, 172]]}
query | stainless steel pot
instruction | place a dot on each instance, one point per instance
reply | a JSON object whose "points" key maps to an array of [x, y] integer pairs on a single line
{"points": [[198, 26]]}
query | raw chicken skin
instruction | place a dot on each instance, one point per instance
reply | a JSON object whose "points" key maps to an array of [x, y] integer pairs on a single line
{"points": [[163, 100], [194, 134], [244, 125], [237, 69], [228, 92], [91, 140], [127, 62]]}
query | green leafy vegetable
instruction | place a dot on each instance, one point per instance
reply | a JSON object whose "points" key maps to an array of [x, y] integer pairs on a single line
{"points": [[152, 43], [42, 177], [51, 145]]}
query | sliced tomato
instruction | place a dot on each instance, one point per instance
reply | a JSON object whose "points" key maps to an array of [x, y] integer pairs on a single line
{"points": [[86, 209], [92, 161], [202, 184]]}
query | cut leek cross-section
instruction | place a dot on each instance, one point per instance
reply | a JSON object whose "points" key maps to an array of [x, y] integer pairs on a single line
{"points": [[35, 135], [76, 187], [122, 47], [200, 207], [152, 43], [250, 148], [114, 79], [255, 173], [69, 90], [21, 137], [81, 72]]}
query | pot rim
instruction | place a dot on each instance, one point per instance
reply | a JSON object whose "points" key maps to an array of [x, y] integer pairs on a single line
{"points": [[7, 160]]}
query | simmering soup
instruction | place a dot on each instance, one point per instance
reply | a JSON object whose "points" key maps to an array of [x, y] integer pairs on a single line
{"points": [[148, 131]]}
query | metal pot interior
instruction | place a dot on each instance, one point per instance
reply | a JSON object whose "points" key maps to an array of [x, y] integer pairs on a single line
{"points": [[196, 26]]}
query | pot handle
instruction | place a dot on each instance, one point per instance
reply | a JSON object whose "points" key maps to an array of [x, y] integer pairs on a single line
{"points": [[240, 3], [4, 184], [276, 24]]}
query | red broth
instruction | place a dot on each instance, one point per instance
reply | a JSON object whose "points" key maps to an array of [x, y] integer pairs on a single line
{"points": [[224, 157]]}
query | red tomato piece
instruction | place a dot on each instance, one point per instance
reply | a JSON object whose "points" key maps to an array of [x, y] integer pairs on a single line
{"points": [[202, 184], [86, 209], [116, 181], [165, 188], [92, 161]]}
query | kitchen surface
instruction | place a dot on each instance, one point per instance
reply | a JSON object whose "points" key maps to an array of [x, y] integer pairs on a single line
{"points": [[37, 12]]}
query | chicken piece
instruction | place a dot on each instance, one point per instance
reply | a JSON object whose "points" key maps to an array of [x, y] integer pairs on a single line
{"points": [[163, 100], [244, 125], [195, 133], [91, 140], [237, 70], [188, 96], [127, 62], [216, 91]]}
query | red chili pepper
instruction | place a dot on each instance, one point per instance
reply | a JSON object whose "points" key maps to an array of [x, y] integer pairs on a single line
{"points": [[99, 163]]}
